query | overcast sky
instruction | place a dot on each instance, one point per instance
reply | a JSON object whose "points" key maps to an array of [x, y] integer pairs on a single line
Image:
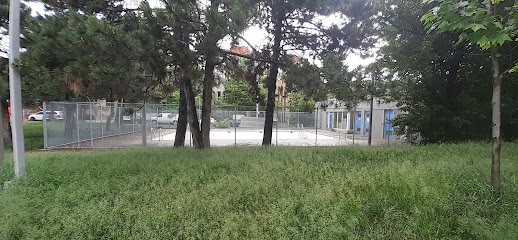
{"points": [[254, 35]]}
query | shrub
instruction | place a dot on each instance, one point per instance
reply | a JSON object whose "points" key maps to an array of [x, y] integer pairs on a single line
{"points": [[222, 124]]}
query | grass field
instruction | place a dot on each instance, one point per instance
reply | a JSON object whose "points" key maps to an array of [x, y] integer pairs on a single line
{"points": [[33, 136], [438, 191]]}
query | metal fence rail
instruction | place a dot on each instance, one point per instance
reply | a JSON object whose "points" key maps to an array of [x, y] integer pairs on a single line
{"points": [[121, 125]]}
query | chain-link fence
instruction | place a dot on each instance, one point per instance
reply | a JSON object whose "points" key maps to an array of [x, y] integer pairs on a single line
{"points": [[121, 125]]}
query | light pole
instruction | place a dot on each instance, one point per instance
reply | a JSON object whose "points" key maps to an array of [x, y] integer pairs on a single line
{"points": [[15, 89]]}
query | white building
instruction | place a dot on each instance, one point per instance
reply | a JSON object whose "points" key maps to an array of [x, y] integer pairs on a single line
{"points": [[335, 117]]}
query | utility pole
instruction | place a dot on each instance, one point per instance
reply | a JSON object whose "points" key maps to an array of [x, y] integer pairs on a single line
{"points": [[15, 89]]}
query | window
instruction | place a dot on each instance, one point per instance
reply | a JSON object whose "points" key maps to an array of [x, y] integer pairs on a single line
{"points": [[159, 115]]}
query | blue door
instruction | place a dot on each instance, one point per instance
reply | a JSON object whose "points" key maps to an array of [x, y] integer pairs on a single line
{"points": [[330, 117], [389, 115], [367, 122], [358, 122]]}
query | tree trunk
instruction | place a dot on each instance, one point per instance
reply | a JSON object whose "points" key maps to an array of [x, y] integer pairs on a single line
{"points": [[192, 115], [272, 78], [52, 109], [6, 124], [211, 42], [496, 117], [109, 119], [70, 120], [206, 109], [181, 127], [117, 116]]}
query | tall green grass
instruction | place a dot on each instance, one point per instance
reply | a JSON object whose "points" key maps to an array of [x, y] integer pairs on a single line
{"points": [[439, 191]]}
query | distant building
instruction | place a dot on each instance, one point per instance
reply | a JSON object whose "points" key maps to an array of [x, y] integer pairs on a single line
{"points": [[335, 117], [240, 50]]}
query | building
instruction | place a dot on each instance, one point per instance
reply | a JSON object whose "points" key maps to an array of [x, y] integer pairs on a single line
{"points": [[336, 117]]}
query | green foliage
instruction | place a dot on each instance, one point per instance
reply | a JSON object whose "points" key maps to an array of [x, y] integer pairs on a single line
{"points": [[431, 192], [175, 98], [474, 22], [238, 93], [76, 55], [222, 124], [305, 77], [300, 103], [331, 81], [442, 85]]}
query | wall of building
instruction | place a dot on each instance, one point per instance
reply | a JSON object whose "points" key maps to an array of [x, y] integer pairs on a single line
{"points": [[378, 117]]}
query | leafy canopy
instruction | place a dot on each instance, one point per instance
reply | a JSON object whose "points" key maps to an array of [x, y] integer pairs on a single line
{"points": [[476, 23]]}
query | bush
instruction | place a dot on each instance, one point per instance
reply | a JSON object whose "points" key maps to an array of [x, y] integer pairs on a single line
{"points": [[222, 124]]}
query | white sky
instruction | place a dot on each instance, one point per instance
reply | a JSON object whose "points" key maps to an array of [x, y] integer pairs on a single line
{"points": [[254, 35]]}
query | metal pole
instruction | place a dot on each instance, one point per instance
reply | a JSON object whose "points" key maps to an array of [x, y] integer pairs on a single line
{"points": [[77, 124], [119, 106], [45, 136], [144, 128], [316, 127], [235, 126], [91, 125], [277, 129], [370, 119], [15, 89], [102, 126], [354, 124], [133, 124]]}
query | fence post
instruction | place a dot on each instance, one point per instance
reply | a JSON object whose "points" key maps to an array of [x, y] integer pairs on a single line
{"points": [[277, 129], [119, 106], [298, 120], [354, 124], [316, 127], [102, 126], [45, 141], [77, 125], [235, 126], [91, 126], [144, 128]]}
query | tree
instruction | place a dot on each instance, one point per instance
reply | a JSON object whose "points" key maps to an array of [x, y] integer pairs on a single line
{"points": [[490, 24], [297, 25], [203, 25]]}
